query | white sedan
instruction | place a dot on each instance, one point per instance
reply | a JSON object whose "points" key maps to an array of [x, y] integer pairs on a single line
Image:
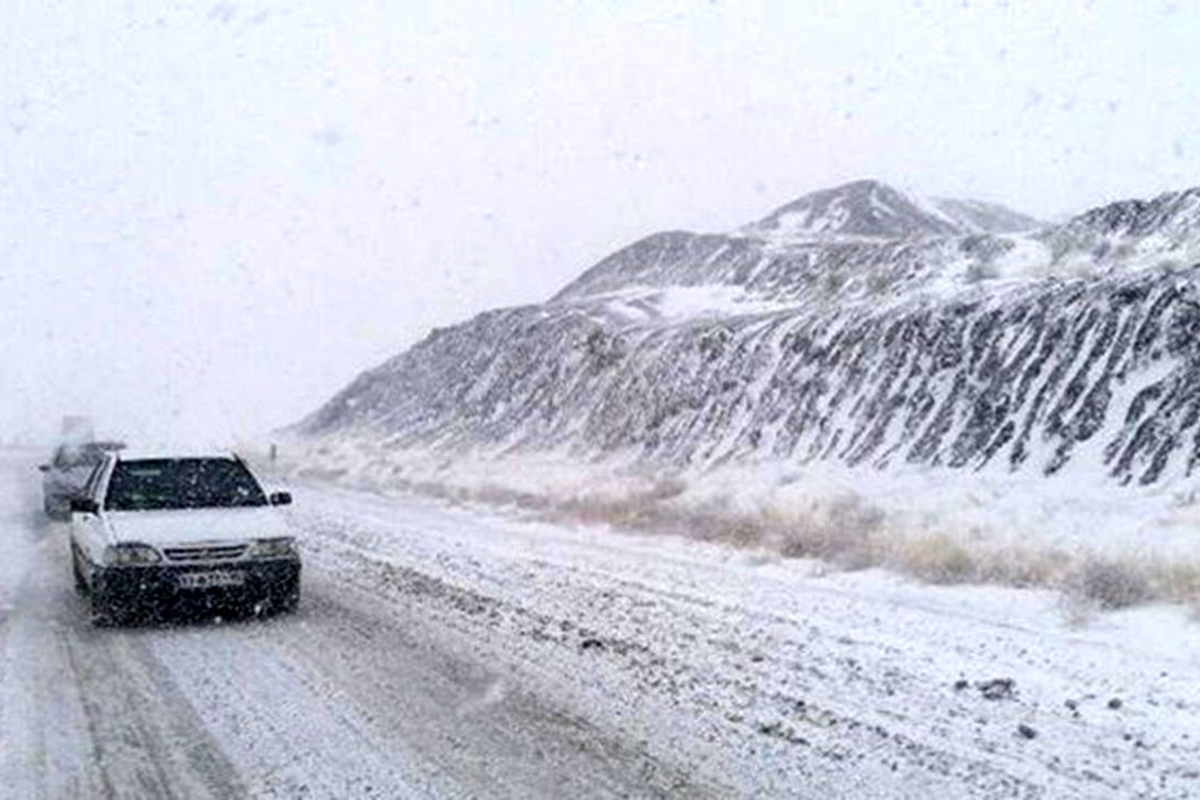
{"points": [[164, 534]]}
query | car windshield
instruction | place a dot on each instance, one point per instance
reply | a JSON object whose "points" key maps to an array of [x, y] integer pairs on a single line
{"points": [[174, 483]]}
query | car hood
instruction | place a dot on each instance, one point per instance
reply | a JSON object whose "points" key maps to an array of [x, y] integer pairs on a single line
{"points": [[197, 525]]}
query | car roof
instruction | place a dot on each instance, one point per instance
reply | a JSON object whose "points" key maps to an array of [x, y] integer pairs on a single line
{"points": [[156, 454], [103, 445]]}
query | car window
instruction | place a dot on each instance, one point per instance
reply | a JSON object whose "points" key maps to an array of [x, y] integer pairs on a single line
{"points": [[153, 484], [89, 489], [93, 452], [62, 458]]}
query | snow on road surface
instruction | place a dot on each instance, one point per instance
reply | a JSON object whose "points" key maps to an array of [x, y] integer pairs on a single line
{"points": [[347, 698], [449, 651]]}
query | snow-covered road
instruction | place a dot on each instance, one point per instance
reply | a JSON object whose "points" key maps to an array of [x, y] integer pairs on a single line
{"points": [[443, 651]]}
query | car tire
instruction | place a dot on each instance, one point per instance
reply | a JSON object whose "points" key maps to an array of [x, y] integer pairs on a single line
{"points": [[288, 601], [103, 613], [81, 587]]}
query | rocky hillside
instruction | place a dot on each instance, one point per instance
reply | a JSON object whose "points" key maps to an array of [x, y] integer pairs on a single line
{"points": [[856, 324]]}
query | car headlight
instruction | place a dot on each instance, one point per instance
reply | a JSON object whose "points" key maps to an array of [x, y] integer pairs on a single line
{"points": [[123, 555], [280, 547]]}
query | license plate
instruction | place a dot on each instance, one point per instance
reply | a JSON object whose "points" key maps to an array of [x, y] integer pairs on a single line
{"points": [[207, 580]]}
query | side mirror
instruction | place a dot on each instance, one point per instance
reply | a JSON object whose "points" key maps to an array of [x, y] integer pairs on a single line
{"points": [[84, 505], [281, 498], [43, 467]]}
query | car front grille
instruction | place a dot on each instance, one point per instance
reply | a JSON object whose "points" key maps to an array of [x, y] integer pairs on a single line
{"points": [[209, 552]]}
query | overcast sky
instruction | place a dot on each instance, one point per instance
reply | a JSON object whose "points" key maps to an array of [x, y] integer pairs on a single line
{"points": [[213, 216]]}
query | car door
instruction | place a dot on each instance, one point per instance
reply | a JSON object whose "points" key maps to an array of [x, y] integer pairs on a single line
{"points": [[81, 466], [89, 534], [53, 481]]}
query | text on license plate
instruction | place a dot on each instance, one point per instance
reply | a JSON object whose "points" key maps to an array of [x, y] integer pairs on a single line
{"points": [[205, 580]]}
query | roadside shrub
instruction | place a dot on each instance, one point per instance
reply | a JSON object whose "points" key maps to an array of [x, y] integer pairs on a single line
{"points": [[1108, 584], [1179, 581], [938, 559], [1015, 566], [841, 533], [744, 532], [845, 535], [798, 540], [494, 495]]}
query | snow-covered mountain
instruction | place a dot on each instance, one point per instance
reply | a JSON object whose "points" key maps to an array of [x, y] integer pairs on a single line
{"points": [[857, 325], [871, 209], [1161, 231], [861, 208], [977, 216]]}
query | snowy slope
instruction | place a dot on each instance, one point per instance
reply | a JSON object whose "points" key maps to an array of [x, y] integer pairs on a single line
{"points": [[688, 350], [1162, 232], [977, 216], [862, 208]]}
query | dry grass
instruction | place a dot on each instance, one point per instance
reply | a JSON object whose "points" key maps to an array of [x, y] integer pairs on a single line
{"points": [[937, 559], [850, 534], [1022, 567], [1179, 581], [1093, 584], [1107, 584], [845, 533]]}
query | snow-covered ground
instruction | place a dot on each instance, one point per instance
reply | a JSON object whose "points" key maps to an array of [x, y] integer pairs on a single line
{"points": [[989, 525], [445, 650], [775, 678]]}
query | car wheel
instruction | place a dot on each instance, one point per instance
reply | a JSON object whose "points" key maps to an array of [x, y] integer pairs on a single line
{"points": [[288, 601], [104, 615], [54, 512], [80, 584], [102, 612]]}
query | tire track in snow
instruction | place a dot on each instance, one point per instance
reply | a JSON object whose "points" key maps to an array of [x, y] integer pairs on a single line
{"points": [[505, 740], [90, 712]]}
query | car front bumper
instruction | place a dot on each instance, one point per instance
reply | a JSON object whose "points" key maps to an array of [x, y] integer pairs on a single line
{"points": [[158, 589]]}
